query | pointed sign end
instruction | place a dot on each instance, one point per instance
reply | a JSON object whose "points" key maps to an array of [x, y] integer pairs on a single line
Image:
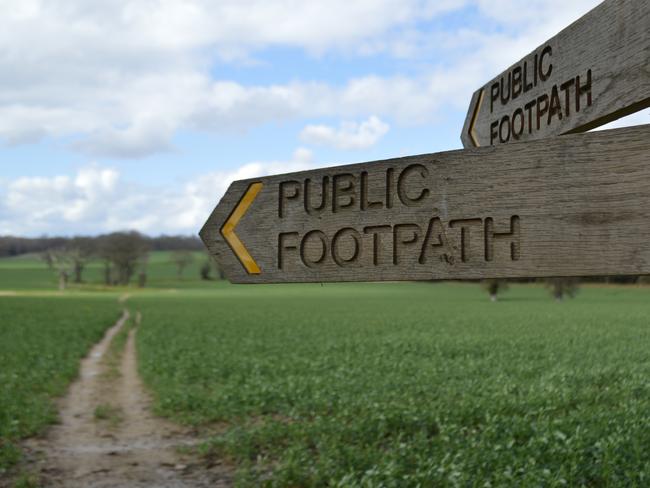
{"points": [[228, 230], [471, 132]]}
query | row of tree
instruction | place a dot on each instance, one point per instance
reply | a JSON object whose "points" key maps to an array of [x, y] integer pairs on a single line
{"points": [[124, 256], [122, 253], [560, 288], [14, 246], [208, 270]]}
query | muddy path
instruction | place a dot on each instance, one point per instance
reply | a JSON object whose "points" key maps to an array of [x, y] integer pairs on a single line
{"points": [[108, 437]]}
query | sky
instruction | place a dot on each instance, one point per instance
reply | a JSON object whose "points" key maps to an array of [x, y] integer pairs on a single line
{"points": [[138, 114]]}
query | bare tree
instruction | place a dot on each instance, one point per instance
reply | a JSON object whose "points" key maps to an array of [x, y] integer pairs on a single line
{"points": [[46, 256], [209, 266], [563, 287], [60, 261], [494, 287], [206, 270], [142, 275], [108, 272], [104, 253], [108, 268], [124, 251], [80, 250], [182, 259]]}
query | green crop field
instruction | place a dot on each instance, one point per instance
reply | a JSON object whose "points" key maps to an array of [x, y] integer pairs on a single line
{"points": [[357, 384], [41, 342], [407, 384]]}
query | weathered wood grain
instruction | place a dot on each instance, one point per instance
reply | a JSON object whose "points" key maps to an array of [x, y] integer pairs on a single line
{"points": [[571, 206], [606, 53]]}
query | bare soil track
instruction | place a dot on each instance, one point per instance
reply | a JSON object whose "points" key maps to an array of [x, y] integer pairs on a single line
{"points": [[135, 449]]}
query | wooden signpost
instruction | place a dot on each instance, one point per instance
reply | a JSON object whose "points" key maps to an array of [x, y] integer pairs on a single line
{"points": [[570, 206], [577, 205], [594, 71]]}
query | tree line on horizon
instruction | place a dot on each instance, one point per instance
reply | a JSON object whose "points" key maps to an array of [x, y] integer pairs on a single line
{"points": [[560, 288], [16, 245], [124, 255]]}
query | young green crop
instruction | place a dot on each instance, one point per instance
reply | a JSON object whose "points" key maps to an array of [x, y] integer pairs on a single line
{"points": [[407, 384], [41, 343]]}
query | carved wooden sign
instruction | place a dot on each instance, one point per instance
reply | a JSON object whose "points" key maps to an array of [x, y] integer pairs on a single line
{"points": [[594, 71], [572, 206]]}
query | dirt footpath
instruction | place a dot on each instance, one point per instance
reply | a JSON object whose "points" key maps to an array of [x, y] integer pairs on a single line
{"points": [[119, 444]]}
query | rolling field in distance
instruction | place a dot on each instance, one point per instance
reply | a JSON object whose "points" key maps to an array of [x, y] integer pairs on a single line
{"points": [[408, 384], [41, 342]]}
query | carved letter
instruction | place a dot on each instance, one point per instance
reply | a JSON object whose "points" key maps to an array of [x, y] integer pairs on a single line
{"points": [[389, 187], [527, 86], [376, 231], [400, 241], [516, 82], [516, 133], [309, 207], [548, 51], [542, 109], [494, 95], [342, 188], [287, 194], [414, 169], [555, 106], [365, 203], [582, 90], [567, 96], [283, 245], [505, 122], [311, 261], [505, 99], [513, 238], [494, 131], [529, 108], [336, 252], [465, 226], [436, 241]]}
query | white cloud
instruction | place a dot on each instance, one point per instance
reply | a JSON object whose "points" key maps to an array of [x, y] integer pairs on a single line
{"points": [[42, 202], [349, 135], [136, 141], [96, 199], [124, 77]]}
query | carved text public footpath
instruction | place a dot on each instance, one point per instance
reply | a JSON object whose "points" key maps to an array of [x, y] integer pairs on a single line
{"points": [[567, 206], [529, 115], [574, 205], [380, 244], [591, 73]]}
